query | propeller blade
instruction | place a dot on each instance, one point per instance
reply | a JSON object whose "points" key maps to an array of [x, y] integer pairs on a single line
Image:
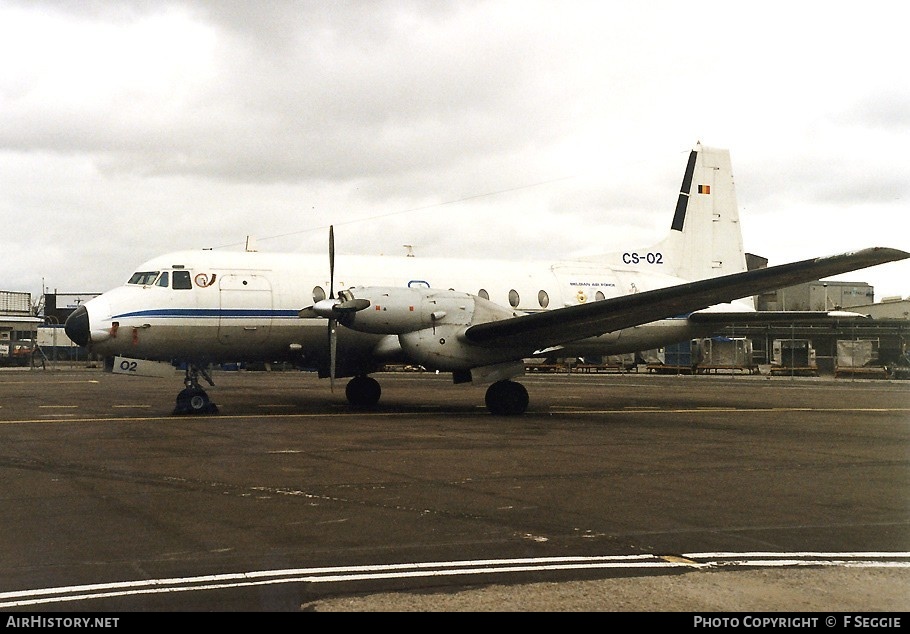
{"points": [[332, 348], [331, 303], [331, 262]]}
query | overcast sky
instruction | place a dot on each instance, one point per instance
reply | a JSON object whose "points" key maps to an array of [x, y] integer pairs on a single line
{"points": [[491, 128]]}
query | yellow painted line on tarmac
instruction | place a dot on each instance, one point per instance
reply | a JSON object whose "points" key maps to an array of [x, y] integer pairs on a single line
{"points": [[48, 382], [359, 415], [707, 410], [218, 417]]}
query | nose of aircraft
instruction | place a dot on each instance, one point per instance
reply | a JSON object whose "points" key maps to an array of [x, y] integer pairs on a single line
{"points": [[76, 326]]}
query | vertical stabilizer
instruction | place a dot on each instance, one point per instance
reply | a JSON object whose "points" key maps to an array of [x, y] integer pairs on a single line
{"points": [[705, 236]]}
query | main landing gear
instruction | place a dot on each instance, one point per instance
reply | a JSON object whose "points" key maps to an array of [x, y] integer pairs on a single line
{"points": [[506, 398], [192, 399], [363, 392], [503, 398]]}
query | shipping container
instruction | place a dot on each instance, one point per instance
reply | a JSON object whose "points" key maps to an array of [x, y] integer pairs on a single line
{"points": [[679, 354], [795, 356], [856, 354], [677, 359], [859, 357], [724, 353]]}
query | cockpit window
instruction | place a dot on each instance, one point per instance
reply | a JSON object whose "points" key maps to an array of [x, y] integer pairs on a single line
{"points": [[182, 280], [143, 277], [163, 280]]}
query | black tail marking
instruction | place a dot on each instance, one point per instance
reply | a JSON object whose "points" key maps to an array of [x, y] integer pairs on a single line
{"points": [[679, 218]]}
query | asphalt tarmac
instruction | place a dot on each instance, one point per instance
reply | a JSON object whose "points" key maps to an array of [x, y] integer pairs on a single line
{"points": [[614, 492]]}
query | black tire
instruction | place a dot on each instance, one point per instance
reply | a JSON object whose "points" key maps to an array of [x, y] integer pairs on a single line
{"points": [[506, 398], [194, 401], [363, 392]]}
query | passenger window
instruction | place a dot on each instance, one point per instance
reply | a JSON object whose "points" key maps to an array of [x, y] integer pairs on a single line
{"points": [[318, 294], [163, 280], [514, 299], [182, 280], [483, 293], [543, 299], [599, 296]]}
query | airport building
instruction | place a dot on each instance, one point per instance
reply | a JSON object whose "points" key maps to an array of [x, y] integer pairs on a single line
{"points": [[869, 347], [18, 328], [848, 347]]}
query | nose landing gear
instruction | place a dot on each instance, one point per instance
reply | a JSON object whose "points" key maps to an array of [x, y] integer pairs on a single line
{"points": [[192, 399]]}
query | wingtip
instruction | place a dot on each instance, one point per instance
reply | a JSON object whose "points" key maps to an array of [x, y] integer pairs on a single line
{"points": [[876, 255], [892, 253]]}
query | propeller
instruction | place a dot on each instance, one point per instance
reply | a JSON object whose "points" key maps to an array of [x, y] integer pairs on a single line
{"points": [[332, 308]]}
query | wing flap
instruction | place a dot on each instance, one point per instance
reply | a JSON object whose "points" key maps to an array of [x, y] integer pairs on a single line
{"points": [[763, 317], [563, 325]]}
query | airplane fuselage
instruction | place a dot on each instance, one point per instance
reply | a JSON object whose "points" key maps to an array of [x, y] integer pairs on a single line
{"points": [[214, 307]]}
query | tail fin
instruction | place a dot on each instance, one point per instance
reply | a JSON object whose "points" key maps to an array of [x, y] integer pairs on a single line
{"points": [[705, 237]]}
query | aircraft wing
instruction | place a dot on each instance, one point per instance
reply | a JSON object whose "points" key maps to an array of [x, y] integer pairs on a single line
{"points": [[564, 325]]}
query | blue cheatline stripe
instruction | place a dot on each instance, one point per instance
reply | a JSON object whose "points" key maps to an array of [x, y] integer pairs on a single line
{"points": [[222, 313], [243, 313]]}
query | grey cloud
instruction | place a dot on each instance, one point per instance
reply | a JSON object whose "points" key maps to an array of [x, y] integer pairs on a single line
{"points": [[347, 94]]}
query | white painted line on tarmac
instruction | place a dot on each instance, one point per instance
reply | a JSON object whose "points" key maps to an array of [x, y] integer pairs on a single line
{"points": [[335, 574]]}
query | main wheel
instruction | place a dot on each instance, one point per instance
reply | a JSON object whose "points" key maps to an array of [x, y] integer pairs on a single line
{"points": [[507, 398], [363, 392]]}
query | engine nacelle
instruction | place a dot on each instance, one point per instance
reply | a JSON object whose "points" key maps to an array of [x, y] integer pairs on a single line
{"points": [[397, 310], [429, 323]]}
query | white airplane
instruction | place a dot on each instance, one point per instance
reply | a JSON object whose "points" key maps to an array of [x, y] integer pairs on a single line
{"points": [[478, 319]]}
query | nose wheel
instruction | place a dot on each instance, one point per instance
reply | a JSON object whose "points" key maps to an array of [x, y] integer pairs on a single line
{"points": [[192, 399]]}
